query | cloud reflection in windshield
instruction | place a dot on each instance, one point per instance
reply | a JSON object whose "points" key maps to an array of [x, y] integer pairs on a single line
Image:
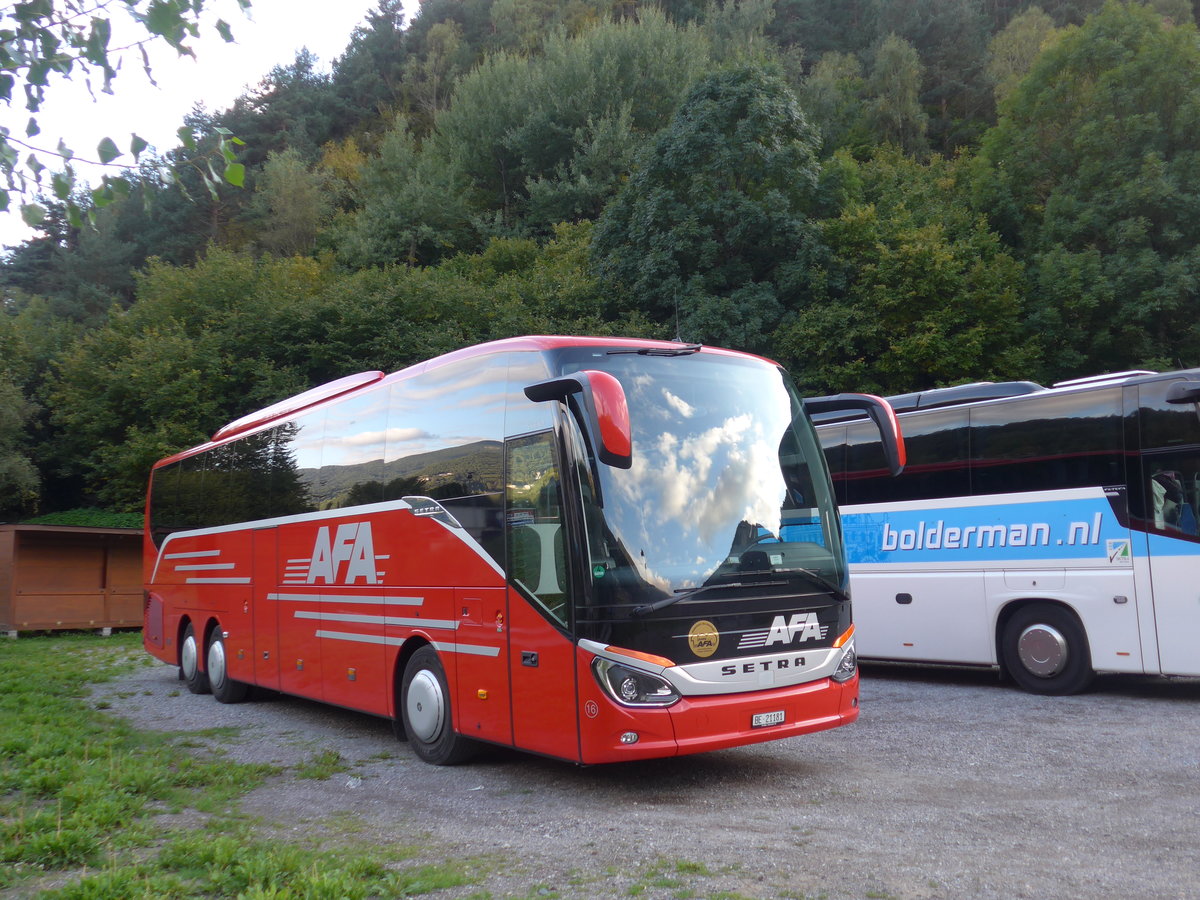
{"points": [[701, 466]]}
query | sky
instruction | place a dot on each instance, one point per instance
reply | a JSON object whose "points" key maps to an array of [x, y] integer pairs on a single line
{"points": [[270, 35]]}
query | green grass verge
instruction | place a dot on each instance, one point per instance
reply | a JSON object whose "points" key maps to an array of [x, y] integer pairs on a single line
{"points": [[80, 790]]}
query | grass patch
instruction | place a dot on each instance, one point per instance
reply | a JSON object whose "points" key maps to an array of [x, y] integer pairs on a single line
{"points": [[82, 795], [224, 862], [77, 787], [322, 766]]}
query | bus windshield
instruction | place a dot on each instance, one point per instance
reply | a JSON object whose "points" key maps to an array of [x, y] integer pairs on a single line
{"points": [[727, 488]]}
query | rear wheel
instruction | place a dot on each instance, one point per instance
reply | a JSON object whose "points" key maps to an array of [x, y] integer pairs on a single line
{"points": [[425, 708], [1045, 650], [224, 688], [189, 662]]}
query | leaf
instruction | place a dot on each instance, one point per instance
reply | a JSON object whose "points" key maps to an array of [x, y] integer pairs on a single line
{"points": [[137, 145], [62, 184], [33, 214], [32, 128], [74, 216], [186, 137], [235, 174], [64, 151], [34, 165], [224, 31], [3, 201], [102, 196], [108, 151]]}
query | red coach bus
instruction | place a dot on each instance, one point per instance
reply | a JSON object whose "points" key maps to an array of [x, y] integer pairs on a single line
{"points": [[592, 549]]}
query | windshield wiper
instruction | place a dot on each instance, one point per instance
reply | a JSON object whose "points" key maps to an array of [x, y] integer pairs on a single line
{"points": [[683, 350], [815, 578], [686, 593]]}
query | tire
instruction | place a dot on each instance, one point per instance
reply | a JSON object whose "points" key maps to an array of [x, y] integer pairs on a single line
{"points": [[189, 663], [425, 710], [1045, 650], [224, 688]]}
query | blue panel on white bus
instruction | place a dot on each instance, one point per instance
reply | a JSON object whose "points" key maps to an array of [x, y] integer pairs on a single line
{"points": [[1068, 525]]}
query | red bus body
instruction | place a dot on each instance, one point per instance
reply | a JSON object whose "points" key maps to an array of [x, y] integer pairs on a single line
{"points": [[317, 547]]}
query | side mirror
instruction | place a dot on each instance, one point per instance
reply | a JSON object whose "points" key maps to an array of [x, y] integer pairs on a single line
{"points": [[1184, 392], [881, 414], [604, 405]]}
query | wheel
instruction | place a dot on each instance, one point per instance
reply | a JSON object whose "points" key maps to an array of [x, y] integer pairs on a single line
{"points": [[1045, 650], [224, 688], [189, 663], [425, 708]]}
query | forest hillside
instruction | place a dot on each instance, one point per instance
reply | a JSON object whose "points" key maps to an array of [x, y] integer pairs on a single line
{"points": [[883, 195]]}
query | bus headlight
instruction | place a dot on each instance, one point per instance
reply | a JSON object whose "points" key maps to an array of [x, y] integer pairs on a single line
{"points": [[848, 666], [632, 687]]}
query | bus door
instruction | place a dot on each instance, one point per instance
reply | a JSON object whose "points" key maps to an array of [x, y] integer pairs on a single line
{"points": [[541, 651], [264, 612], [481, 670], [1170, 511]]}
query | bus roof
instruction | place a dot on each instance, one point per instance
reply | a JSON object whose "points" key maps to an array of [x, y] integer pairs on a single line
{"points": [[350, 384], [983, 391]]}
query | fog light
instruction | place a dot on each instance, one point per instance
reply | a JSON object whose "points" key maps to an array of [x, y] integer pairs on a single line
{"points": [[629, 737]]}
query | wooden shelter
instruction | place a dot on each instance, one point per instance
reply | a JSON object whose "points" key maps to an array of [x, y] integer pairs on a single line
{"points": [[60, 577]]}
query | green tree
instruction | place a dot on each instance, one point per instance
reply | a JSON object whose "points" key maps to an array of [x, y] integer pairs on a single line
{"points": [[893, 113], [368, 78], [293, 203], [1012, 52], [18, 476], [1092, 169], [832, 97], [914, 291], [411, 208], [950, 38], [200, 346], [737, 28], [528, 142], [707, 232]]}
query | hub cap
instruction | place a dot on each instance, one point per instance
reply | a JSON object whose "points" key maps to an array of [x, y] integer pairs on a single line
{"points": [[425, 705], [1042, 650], [187, 656], [216, 663]]}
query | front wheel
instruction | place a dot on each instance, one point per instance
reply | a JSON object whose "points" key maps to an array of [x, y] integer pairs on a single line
{"points": [[425, 708], [1045, 650], [189, 662], [224, 688]]}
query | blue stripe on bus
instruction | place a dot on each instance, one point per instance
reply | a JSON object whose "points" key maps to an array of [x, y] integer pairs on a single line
{"points": [[1082, 528]]}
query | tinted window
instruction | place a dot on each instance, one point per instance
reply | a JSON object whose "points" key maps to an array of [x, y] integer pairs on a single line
{"points": [[445, 441], [937, 444], [1048, 443], [351, 472], [1166, 424], [1167, 500], [536, 549], [239, 479]]}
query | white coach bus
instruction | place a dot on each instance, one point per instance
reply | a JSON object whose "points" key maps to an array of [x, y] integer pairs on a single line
{"points": [[1048, 532]]}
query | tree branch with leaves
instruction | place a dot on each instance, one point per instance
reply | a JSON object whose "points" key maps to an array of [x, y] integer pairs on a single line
{"points": [[41, 39]]}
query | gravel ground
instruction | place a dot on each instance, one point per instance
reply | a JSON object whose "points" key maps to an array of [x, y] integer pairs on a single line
{"points": [[950, 785]]}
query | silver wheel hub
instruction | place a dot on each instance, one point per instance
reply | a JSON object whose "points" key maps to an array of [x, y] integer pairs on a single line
{"points": [[425, 705], [1042, 650], [187, 656], [216, 663]]}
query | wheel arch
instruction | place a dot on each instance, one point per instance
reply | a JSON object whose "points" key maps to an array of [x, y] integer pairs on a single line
{"points": [[407, 649], [1011, 607]]}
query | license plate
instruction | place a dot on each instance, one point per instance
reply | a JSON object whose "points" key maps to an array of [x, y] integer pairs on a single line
{"points": [[762, 720]]}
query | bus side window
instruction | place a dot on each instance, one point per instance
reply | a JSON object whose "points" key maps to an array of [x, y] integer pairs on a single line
{"points": [[1170, 438], [537, 561]]}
